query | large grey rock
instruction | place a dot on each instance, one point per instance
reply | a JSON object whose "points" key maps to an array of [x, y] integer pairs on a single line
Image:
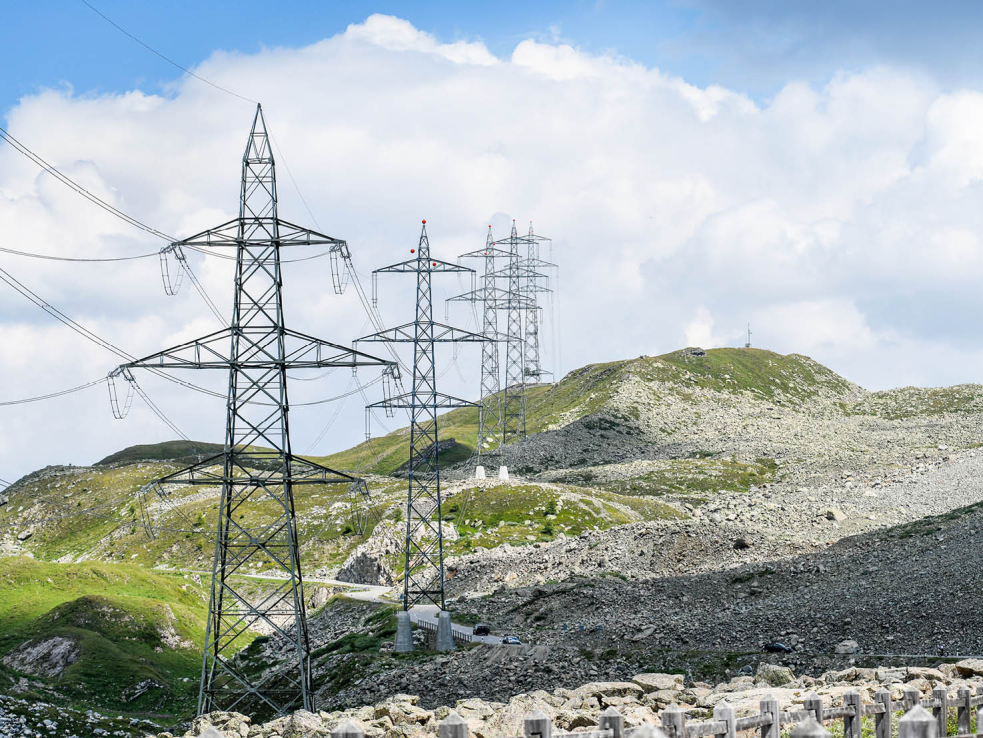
{"points": [[304, 724], [774, 674], [848, 646], [654, 682], [45, 658], [969, 667]]}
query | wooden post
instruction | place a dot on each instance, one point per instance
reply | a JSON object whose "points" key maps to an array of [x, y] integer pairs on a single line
{"points": [[674, 721], [612, 720], [964, 710], [851, 723], [882, 721], [348, 729], [453, 726], [813, 703], [538, 725], [941, 712], [810, 728], [979, 720], [724, 712], [770, 706], [912, 698], [917, 723]]}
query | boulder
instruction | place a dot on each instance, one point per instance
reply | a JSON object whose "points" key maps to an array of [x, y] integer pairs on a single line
{"points": [[921, 672], [774, 674], [45, 658], [304, 724], [655, 682], [969, 667], [848, 646]]}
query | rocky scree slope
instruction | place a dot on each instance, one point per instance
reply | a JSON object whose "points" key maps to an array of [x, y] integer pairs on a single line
{"points": [[908, 589]]}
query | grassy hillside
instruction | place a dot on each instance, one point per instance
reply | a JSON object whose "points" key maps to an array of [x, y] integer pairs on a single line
{"points": [[135, 634], [167, 450], [791, 378]]}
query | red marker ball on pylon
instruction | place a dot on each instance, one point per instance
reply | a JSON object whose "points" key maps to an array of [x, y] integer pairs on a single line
{"points": [[412, 251]]}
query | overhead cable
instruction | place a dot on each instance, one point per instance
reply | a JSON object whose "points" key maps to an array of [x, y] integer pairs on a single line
{"points": [[168, 60]]}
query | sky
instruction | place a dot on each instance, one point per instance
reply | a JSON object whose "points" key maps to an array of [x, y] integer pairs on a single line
{"points": [[813, 169]]}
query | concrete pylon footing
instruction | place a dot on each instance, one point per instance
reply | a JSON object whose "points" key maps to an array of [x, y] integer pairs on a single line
{"points": [[445, 634], [479, 472], [503, 473], [404, 632]]}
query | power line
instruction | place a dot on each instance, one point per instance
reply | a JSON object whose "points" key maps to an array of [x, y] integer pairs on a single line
{"points": [[169, 61], [54, 394], [50, 257], [54, 312], [72, 184]]}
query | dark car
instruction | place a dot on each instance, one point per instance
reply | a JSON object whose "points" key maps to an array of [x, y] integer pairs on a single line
{"points": [[511, 641], [776, 647], [481, 629]]}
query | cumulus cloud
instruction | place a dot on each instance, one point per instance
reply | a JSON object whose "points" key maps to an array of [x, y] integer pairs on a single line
{"points": [[841, 220]]}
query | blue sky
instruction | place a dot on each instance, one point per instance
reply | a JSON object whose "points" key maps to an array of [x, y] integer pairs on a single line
{"points": [[746, 45]]}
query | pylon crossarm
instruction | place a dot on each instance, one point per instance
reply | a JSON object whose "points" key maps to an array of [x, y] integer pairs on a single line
{"points": [[301, 352], [303, 471], [264, 230], [482, 253], [407, 334], [538, 264], [436, 400], [326, 354], [521, 272], [431, 265], [496, 298]]}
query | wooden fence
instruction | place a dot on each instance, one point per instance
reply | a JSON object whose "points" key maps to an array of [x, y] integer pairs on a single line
{"points": [[808, 722]]}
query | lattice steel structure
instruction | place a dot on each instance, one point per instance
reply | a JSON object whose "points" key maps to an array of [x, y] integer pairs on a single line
{"points": [[257, 470], [423, 549], [507, 407], [533, 371], [490, 296]]}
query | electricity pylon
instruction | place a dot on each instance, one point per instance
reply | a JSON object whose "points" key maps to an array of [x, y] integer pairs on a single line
{"points": [[490, 297], [423, 564], [507, 408], [533, 371], [256, 469]]}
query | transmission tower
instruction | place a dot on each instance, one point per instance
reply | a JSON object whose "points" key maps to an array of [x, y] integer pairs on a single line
{"points": [[533, 371], [256, 470], [489, 295], [423, 565], [518, 297]]}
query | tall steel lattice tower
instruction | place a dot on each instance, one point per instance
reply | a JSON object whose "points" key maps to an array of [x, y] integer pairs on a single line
{"points": [[423, 564], [533, 371], [514, 400], [491, 298], [507, 409], [257, 523]]}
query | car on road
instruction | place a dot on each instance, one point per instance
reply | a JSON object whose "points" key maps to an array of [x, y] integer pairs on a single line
{"points": [[511, 641], [481, 629]]}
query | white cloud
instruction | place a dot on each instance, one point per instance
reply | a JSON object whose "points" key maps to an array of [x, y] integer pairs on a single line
{"points": [[842, 221], [699, 331]]}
